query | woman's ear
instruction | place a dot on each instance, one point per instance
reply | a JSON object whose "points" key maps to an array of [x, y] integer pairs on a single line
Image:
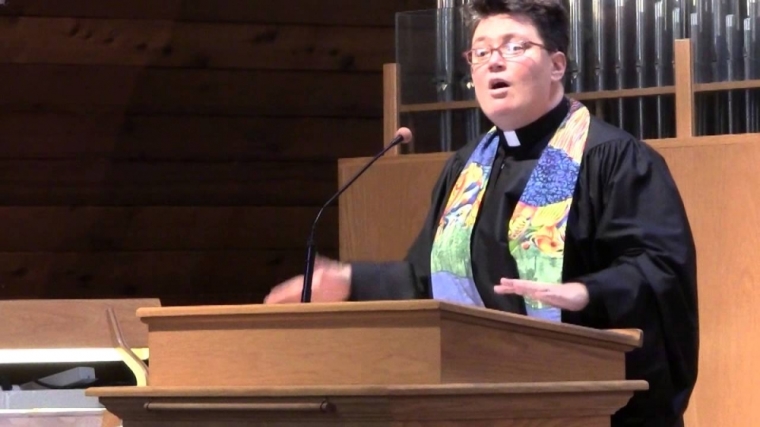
{"points": [[559, 65]]}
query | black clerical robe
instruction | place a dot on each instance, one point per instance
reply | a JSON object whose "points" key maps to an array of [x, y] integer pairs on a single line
{"points": [[627, 239]]}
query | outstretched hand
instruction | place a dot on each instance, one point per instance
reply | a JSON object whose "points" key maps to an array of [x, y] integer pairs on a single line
{"points": [[568, 296], [331, 282]]}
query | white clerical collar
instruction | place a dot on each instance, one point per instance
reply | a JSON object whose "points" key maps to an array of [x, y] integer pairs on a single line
{"points": [[512, 139]]}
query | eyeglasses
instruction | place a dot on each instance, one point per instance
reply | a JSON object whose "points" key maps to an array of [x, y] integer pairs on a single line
{"points": [[481, 55]]}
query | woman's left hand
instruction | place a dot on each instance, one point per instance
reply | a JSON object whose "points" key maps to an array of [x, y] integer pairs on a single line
{"points": [[568, 296]]}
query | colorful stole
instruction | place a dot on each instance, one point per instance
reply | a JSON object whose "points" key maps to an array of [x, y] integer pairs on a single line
{"points": [[536, 231]]}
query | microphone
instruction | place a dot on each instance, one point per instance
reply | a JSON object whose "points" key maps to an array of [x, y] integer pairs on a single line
{"points": [[403, 135]]}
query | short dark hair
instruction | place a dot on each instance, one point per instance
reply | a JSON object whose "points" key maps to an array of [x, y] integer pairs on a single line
{"points": [[548, 16]]}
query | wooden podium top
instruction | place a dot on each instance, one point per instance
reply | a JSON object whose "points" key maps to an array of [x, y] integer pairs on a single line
{"points": [[630, 338], [378, 343]]}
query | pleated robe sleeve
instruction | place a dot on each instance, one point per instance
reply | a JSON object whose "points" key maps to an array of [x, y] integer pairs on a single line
{"points": [[644, 240]]}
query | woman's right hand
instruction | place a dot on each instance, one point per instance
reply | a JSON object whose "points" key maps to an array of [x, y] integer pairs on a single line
{"points": [[331, 282]]}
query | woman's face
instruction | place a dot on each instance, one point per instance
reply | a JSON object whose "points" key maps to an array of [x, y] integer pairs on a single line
{"points": [[514, 91]]}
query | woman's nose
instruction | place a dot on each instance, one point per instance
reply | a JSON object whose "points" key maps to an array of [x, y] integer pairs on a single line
{"points": [[496, 62]]}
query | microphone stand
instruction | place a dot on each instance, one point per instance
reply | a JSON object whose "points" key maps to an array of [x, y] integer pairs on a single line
{"points": [[310, 253]]}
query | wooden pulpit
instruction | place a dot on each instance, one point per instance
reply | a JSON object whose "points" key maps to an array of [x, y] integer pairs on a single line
{"points": [[405, 363]]}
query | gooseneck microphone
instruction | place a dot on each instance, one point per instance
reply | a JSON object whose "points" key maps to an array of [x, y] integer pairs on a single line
{"points": [[403, 135]]}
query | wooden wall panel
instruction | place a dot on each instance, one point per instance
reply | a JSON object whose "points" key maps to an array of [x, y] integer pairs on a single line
{"points": [[332, 12], [180, 149], [104, 182], [187, 138], [166, 43], [718, 180], [163, 275], [383, 201], [160, 228], [61, 88]]}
